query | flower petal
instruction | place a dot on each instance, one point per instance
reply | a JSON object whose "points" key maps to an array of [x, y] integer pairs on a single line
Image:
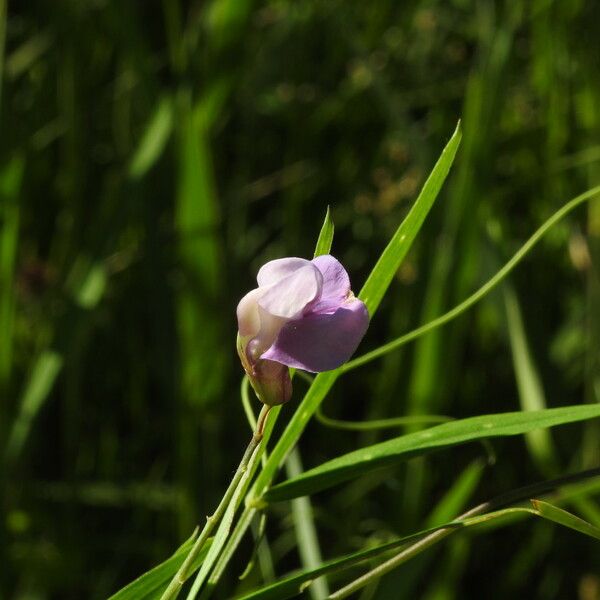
{"points": [[321, 342], [276, 270], [289, 296], [247, 313], [336, 284]]}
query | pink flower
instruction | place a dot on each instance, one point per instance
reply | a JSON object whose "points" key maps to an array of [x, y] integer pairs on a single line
{"points": [[303, 315]]}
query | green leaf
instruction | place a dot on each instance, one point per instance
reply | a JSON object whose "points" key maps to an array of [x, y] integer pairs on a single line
{"points": [[418, 443], [153, 583], [390, 260], [325, 236], [563, 517], [529, 383]]}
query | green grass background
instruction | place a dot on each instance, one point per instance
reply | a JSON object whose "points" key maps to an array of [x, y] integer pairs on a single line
{"points": [[154, 155]]}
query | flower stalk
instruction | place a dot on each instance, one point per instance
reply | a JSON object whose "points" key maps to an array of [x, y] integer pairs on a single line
{"points": [[186, 569]]}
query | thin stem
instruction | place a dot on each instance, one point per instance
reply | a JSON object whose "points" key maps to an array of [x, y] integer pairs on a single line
{"points": [[392, 423], [511, 497], [397, 560], [224, 530], [185, 570], [481, 292]]}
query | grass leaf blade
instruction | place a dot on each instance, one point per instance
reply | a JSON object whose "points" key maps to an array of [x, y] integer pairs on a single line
{"points": [[419, 443]]}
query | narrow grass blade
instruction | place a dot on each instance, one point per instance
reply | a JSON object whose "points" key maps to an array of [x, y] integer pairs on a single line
{"points": [[529, 384], [563, 517], [306, 531], [325, 239], [418, 443]]}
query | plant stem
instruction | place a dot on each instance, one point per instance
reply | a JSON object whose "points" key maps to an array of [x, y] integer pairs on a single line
{"points": [[517, 495], [591, 194], [185, 570]]}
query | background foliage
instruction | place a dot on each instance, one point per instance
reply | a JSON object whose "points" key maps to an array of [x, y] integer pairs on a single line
{"points": [[154, 155]]}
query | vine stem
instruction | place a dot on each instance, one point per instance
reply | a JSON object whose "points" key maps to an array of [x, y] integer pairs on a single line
{"points": [[591, 194], [506, 499], [186, 569], [395, 561]]}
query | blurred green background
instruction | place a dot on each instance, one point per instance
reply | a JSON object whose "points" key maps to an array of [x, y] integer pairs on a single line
{"points": [[154, 155]]}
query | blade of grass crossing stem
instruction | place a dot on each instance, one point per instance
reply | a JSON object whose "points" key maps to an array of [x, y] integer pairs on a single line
{"points": [[529, 385], [563, 517], [354, 464], [372, 293], [475, 516], [274, 591]]}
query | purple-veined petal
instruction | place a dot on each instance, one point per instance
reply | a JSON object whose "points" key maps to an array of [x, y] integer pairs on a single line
{"points": [[321, 342], [289, 296], [276, 270], [336, 284]]}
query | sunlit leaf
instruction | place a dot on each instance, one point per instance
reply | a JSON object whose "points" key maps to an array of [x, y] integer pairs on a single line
{"points": [[325, 235], [422, 442], [563, 517]]}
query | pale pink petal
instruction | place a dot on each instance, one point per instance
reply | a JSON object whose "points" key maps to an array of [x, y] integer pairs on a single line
{"points": [[290, 296], [321, 342], [276, 270]]}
